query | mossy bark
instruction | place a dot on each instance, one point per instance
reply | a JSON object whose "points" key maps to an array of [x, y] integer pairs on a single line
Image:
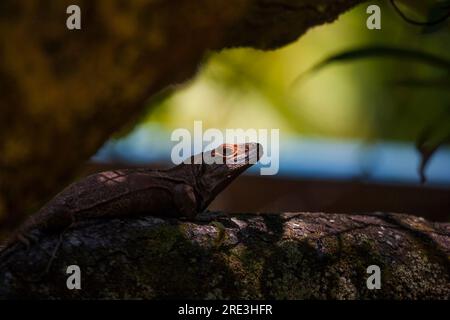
{"points": [[64, 93], [244, 256]]}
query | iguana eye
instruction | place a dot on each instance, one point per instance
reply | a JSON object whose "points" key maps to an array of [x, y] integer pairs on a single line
{"points": [[227, 150]]}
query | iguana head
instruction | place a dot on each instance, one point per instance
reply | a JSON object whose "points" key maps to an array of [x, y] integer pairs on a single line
{"points": [[214, 170]]}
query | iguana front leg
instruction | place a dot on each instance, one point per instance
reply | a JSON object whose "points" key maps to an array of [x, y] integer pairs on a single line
{"points": [[185, 200]]}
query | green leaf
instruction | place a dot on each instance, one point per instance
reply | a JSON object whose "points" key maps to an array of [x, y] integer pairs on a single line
{"points": [[438, 83], [433, 137], [438, 13], [379, 52]]}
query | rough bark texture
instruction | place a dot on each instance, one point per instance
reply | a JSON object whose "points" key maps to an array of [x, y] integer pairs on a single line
{"points": [[65, 92], [275, 256]]}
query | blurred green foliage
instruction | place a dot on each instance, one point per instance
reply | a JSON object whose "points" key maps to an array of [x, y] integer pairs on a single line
{"points": [[381, 96]]}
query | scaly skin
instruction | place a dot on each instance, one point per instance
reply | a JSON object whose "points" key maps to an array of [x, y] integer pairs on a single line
{"points": [[182, 191]]}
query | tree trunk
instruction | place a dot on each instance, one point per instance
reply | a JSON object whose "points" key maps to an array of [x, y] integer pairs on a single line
{"points": [[64, 93], [268, 256]]}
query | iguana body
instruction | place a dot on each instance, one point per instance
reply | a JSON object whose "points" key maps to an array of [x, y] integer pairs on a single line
{"points": [[182, 191]]}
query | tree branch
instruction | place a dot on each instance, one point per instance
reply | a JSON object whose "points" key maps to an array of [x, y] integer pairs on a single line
{"points": [[269, 256]]}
